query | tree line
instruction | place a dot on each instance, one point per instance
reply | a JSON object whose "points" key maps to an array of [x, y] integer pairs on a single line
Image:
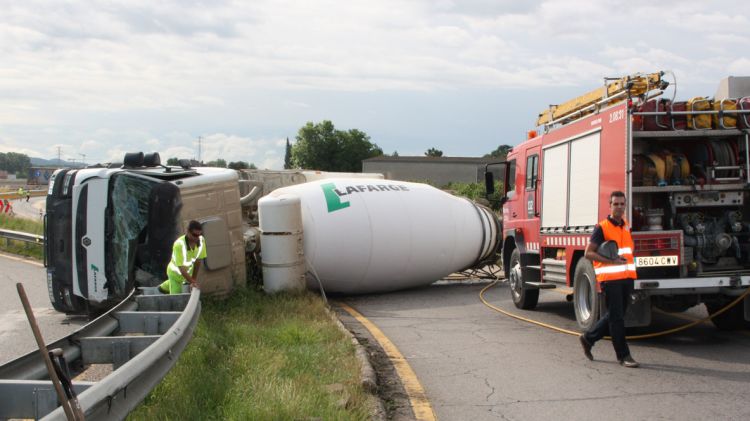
{"points": [[218, 163], [323, 147], [15, 163], [320, 146]]}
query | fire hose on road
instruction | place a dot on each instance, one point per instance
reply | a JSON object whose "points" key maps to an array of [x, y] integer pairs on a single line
{"points": [[632, 337]]}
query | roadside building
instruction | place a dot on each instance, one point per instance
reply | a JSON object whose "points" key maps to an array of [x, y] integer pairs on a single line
{"points": [[39, 176], [438, 171]]}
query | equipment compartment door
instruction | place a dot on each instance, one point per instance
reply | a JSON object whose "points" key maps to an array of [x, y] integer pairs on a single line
{"points": [[571, 186], [555, 190], [583, 202]]}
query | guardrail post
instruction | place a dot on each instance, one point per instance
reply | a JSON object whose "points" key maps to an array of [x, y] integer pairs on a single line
{"points": [[45, 401], [120, 354]]}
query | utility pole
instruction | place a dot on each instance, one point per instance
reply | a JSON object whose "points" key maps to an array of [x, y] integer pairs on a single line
{"points": [[200, 138], [83, 156], [59, 160]]}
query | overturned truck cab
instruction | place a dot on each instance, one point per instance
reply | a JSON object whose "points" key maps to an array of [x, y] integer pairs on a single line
{"points": [[109, 229]]}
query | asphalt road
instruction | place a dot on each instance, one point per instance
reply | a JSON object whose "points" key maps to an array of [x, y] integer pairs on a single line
{"points": [[477, 364], [33, 209], [16, 338]]}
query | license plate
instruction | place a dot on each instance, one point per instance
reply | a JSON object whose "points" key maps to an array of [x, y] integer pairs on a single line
{"points": [[650, 261]]}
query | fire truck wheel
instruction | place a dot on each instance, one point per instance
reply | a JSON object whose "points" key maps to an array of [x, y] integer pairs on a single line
{"points": [[732, 319], [523, 298], [585, 298]]}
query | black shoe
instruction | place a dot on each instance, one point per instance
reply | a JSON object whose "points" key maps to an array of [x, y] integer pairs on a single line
{"points": [[586, 348], [629, 362]]}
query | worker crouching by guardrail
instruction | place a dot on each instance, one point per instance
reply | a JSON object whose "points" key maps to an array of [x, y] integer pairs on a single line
{"points": [[187, 253]]}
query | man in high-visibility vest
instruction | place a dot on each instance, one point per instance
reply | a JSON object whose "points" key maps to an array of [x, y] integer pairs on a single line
{"points": [[615, 275], [187, 252]]}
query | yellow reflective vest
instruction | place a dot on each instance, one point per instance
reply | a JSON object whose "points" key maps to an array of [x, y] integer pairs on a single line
{"points": [[182, 255]]}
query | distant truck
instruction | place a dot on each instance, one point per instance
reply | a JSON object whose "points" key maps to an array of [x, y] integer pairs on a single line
{"points": [[685, 169], [110, 228]]}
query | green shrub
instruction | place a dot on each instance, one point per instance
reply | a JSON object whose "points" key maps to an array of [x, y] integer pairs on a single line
{"points": [[476, 191]]}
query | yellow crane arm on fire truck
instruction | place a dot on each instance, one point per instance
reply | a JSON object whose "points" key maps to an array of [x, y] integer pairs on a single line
{"points": [[636, 84]]}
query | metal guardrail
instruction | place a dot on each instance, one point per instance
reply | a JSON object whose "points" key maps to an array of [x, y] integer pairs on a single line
{"points": [[142, 337], [12, 195], [22, 236]]}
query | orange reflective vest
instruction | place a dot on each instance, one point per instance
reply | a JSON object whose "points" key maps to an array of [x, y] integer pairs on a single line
{"points": [[613, 272]]}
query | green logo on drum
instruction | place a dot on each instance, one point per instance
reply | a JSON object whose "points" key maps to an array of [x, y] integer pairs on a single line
{"points": [[334, 195], [332, 199]]}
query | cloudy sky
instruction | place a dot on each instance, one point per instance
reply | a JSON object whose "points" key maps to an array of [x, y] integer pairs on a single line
{"points": [[100, 78]]}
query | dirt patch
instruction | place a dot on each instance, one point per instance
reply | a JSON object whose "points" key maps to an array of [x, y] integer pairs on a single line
{"points": [[390, 390]]}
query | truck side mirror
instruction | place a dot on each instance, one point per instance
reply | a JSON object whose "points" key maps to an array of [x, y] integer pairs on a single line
{"points": [[489, 183]]}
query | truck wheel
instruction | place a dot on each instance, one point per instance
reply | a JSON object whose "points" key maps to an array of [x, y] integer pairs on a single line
{"points": [[56, 297], [732, 319], [585, 298], [523, 298]]}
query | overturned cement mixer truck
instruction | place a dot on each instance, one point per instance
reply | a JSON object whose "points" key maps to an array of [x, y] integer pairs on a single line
{"points": [[110, 228]]}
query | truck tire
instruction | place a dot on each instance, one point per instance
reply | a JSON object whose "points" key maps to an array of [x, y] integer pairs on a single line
{"points": [[585, 297], [523, 298], [57, 297], [732, 319]]}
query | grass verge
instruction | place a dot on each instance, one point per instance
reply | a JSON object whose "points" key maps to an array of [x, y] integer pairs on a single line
{"points": [[20, 247], [260, 357]]}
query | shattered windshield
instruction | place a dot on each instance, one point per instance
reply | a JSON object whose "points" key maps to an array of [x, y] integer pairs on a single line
{"points": [[128, 217]]}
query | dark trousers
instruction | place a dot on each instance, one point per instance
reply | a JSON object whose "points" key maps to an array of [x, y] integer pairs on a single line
{"points": [[617, 296]]}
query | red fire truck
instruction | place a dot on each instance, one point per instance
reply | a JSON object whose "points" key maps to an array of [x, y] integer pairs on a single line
{"points": [[684, 169]]}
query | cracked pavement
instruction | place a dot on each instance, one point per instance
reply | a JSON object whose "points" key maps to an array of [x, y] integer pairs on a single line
{"points": [[477, 364]]}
